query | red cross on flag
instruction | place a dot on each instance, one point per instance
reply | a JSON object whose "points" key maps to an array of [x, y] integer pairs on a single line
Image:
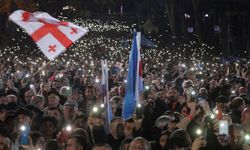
{"points": [[51, 35]]}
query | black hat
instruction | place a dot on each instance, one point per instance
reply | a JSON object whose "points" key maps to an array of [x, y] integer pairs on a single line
{"points": [[25, 112], [221, 99], [236, 103], [53, 91]]}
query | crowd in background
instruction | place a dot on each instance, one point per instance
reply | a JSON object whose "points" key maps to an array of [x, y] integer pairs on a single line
{"points": [[182, 107]]}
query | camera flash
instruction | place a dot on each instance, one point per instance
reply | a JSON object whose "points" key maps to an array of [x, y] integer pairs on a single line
{"points": [[147, 87]]}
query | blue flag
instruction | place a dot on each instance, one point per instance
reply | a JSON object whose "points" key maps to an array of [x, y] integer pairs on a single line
{"points": [[134, 79], [105, 90]]}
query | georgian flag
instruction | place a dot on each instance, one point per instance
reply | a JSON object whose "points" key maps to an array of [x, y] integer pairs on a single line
{"points": [[51, 35]]}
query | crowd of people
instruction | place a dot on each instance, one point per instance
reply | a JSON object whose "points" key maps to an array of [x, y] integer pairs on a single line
{"points": [[188, 105]]}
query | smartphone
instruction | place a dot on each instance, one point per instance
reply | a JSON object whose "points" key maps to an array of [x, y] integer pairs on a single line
{"points": [[24, 134], [223, 127]]}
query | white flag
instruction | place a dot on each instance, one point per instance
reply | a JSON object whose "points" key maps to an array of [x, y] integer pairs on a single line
{"points": [[51, 35]]}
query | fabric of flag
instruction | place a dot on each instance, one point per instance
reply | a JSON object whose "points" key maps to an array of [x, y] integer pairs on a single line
{"points": [[139, 80], [133, 87], [105, 90], [51, 35]]}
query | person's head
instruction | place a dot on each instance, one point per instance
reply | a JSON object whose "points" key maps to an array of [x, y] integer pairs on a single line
{"points": [[245, 118], [38, 140], [162, 122], [75, 95], [24, 116], [12, 98], [129, 127], [126, 143], [203, 93], [102, 147], [76, 142], [37, 101], [53, 98], [70, 109], [172, 94], [242, 90], [185, 110], [163, 138], [5, 139], [116, 125], [160, 95], [179, 139], [139, 143], [221, 103], [213, 84], [66, 91], [27, 96], [80, 122], [90, 92], [48, 126], [187, 84], [54, 112], [237, 104], [118, 100], [44, 86], [56, 84], [87, 80], [151, 93], [10, 83], [237, 134]]}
